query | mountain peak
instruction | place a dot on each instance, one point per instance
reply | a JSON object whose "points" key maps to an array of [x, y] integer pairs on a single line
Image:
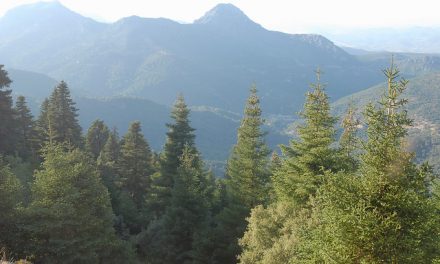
{"points": [[225, 14], [37, 7]]}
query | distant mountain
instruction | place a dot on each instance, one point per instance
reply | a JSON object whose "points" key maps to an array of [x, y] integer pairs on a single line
{"points": [[212, 61], [423, 93], [410, 64], [411, 39], [33, 85], [215, 128]]}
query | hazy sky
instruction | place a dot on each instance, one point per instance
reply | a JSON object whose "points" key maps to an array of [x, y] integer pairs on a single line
{"points": [[283, 15]]}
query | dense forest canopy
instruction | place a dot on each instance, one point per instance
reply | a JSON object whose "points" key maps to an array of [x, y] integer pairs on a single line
{"points": [[99, 197]]}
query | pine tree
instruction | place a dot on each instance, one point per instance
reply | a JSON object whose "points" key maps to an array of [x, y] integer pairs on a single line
{"points": [[248, 165], [179, 135], [172, 238], [7, 114], [108, 162], [308, 158], [278, 232], [386, 213], [96, 137], [135, 164], [58, 117], [26, 131], [248, 178], [70, 217]]}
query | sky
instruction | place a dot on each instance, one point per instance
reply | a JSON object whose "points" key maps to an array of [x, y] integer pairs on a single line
{"points": [[293, 16]]}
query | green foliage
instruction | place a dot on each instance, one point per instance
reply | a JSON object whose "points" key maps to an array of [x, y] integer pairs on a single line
{"points": [[108, 165], [171, 238], [349, 142], [24, 171], [26, 132], [70, 217], [42, 125], [380, 211], [248, 166], [384, 212], [308, 158], [274, 234], [247, 180], [58, 119], [135, 169], [7, 115], [328, 202], [135, 164], [11, 198], [179, 136], [111, 150], [96, 137]]}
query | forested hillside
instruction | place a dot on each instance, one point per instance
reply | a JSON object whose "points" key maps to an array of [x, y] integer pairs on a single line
{"points": [[106, 197], [147, 140]]}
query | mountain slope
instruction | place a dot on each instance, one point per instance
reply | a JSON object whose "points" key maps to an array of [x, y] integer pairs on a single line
{"points": [[215, 128], [423, 93], [34, 86], [212, 61]]}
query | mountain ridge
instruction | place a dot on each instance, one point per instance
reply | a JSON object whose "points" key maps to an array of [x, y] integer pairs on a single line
{"points": [[211, 64]]}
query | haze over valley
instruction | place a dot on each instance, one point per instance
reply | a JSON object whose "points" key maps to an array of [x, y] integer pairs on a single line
{"points": [[289, 133]]}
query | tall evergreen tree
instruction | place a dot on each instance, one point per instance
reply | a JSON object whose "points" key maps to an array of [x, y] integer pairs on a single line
{"points": [[248, 165], [135, 164], [58, 117], [7, 114], [386, 213], [180, 135], [277, 233], [96, 137], [26, 133], [309, 157], [248, 180], [172, 238], [70, 217], [108, 162]]}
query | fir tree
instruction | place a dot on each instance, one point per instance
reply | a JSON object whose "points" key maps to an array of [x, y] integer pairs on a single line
{"points": [[96, 137], [7, 115], [386, 213], [248, 165], [70, 217], [179, 135], [108, 162], [135, 164], [59, 117], [278, 233], [172, 238], [247, 176], [309, 157], [26, 131]]}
